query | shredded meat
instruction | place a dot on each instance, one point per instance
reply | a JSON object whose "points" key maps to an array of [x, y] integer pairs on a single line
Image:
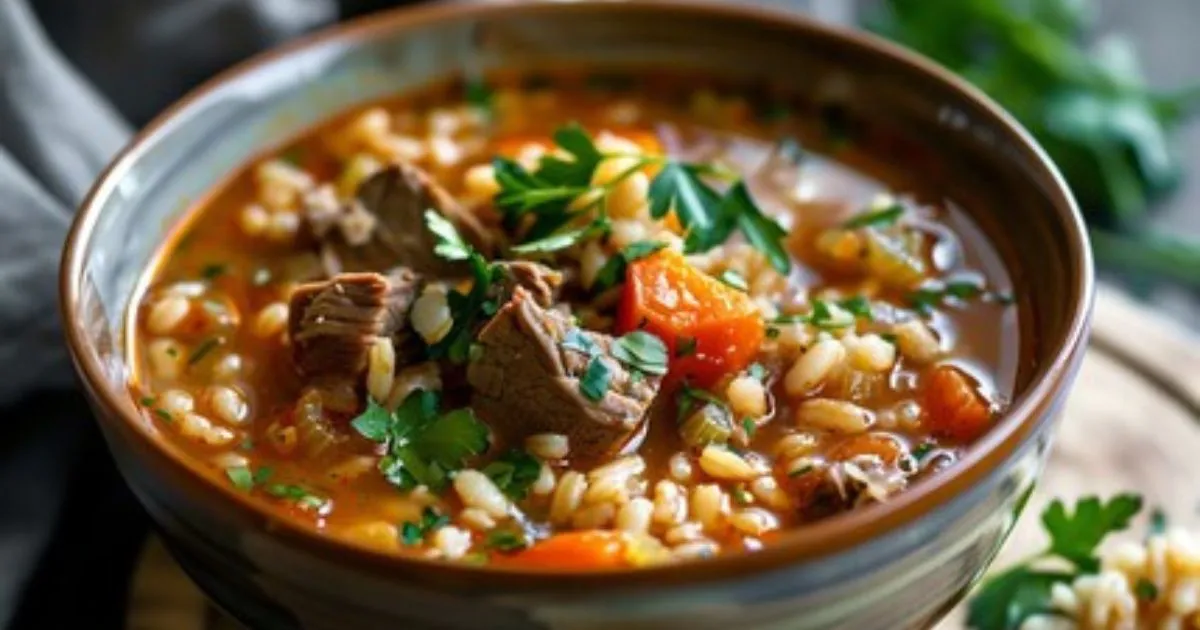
{"points": [[332, 323], [384, 227], [542, 282], [526, 382]]}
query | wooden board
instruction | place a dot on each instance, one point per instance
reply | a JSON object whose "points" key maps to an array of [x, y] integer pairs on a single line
{"points": [[1129, 426]]}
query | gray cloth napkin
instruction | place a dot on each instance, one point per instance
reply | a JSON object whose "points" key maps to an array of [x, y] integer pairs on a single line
{"points": [[56, 133]]}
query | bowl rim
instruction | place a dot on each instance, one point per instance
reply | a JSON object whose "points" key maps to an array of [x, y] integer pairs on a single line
{"points": [[839, 533]]}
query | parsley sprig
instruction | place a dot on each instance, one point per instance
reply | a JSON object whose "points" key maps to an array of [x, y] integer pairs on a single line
{"points": [[552, 193], [422, 445], [1007, 599], [466, 308]]}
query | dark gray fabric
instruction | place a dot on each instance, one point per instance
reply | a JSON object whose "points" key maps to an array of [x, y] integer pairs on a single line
{"points": [[68, 529]]}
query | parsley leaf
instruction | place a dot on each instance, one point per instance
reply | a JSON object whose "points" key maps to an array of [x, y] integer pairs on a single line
{"points": [[578, 170], [678, 186], [925, 299], [1007, 600], [876, 218], [578, 341], [478, 94], [858, 306], [412, 534], [641, 351], [450, 245], [1145, 590], [734, 279], [563, 240], [421, 446], [749, 427], [212, 271], [514, 472], [760, 231], [465, 308], [594, 383], [303, 497], [505, 541], [203, 350], [613, 271], [240, 477], [1158, 523], [1076, 536]]}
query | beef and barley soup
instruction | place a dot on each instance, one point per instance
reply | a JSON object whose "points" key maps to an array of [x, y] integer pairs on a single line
{"points": [[576, 322]]}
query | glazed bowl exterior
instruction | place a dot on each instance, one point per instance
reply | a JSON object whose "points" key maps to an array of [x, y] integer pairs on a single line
{"points": [[896, 565]]}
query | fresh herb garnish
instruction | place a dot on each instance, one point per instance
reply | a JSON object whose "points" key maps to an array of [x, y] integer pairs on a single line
{"points": [[1145, 590], [733, 279], [923, 450], [613, 271], [925, 299], [641, 351], [741, 496], [562, 240], [466, 309], [1007, 599], [205, 347], [803, 470], [412, 534], [213, 271], [514, 472], [303, 497], [422, 446], [691, 398], [164, 415], [505, 540], [825, 316], [240, 477], [147, 401], [761, 231], [876, 218], [579, 341], [749, 427], [858, 306], [478, 94], [756, 371], [1158, 522], [594, 383]]}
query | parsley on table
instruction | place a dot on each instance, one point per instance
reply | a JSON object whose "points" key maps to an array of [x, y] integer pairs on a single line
{"points": [[412, 534], [1005, 600], [641, 351], [514, 472], [594, 383], [422, 445], [613, 271], [733, 279], [876, 218]]}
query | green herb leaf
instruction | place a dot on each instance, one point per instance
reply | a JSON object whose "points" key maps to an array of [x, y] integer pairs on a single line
{"points": [[299, 495], [1075, 536], [374, 423], [613, 271], [925, 299], [450, 245], [698, 207], [563, 240], [514, 472], [213, 271], [478, 94], [594, 383], [578, 341], [1006, 601], [505, 540], [761, 231], [876, 218], [685, 347], [412, 534], [923, 450], [749, 427], [205, 347], [452, 439], [734, 279], [576, 171], [858, 306], [1158, 523], [1145, 590], [641, 351], [240, 477]]}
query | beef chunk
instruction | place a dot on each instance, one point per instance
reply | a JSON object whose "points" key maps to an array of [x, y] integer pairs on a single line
{"points": [[333, 323], [526, 382], [542, 282], [385, 226]]}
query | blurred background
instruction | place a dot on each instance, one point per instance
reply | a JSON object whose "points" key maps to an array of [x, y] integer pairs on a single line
{"points": [[1107, 85]]}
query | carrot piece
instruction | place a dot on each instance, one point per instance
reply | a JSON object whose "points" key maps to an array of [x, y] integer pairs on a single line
{"points": [[884, 447], [709, 328], [582, 550], [955, 407]]}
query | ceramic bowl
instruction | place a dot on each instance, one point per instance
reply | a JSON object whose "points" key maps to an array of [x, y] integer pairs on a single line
{"points": [[896, 565]]}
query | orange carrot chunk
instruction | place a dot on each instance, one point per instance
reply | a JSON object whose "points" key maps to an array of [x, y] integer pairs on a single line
{"points": [[709, 328], [582, 550], [955, 407]]}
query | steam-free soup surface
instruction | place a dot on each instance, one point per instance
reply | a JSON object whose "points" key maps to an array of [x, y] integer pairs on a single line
{"points": [[575, 324]]}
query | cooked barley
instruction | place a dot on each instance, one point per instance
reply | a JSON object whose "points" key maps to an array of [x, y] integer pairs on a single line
{"points": [[230, 460], [670, 505], [721, 463], [767, 490], [814, 366], [695, 550], [167, 313], [753, 521], [833, 415], [271, 320], [548, 446], [197, 427], [228, 405], [747, 396], [607, 489], [424, 376], [282, 226], [635, 515], [709, 505], [794, 445], [591, 260], [480, 181], [870, 353], [453, 542], [684, 532], [595, 516], [622, 468], [381, 368], [680, 467], [228, 368], [917, 341], [477, 490], [176, 402], [626, 232], [444, 152], [165, 357], [374, 534], [544, 484], [476, 519], [567, 497]]}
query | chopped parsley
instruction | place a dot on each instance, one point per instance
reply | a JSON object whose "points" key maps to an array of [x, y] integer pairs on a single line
{"points": [[927, 298], [478, 94], [803, 470], [164, 415], [213, 271], [594, 383], [1007, 599], [756, 371], [422, 445], [741, 496], [562, 240], [923, 450], [1145, 590], [205, 347], [1158, 522], [823, 315], [685, 347], [641, 351], [691, 398], [749, 427], [858, 306], [303, 497], [147, 401], [465, 308], [613, 271], [876, 218], [412, 534], [505, 540], [240, 477], [578, 341], [734, 279], [514, 472]]}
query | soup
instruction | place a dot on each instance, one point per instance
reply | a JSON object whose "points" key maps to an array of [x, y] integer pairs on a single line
{"points": [[576, 322]]}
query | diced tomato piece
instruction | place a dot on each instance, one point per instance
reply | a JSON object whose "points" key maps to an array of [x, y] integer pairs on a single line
{"points": [[709, 328], [954, 406], [582, 551]]}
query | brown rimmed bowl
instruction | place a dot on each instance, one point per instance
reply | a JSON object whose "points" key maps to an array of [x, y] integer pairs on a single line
{"points": [[896, 565]]}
